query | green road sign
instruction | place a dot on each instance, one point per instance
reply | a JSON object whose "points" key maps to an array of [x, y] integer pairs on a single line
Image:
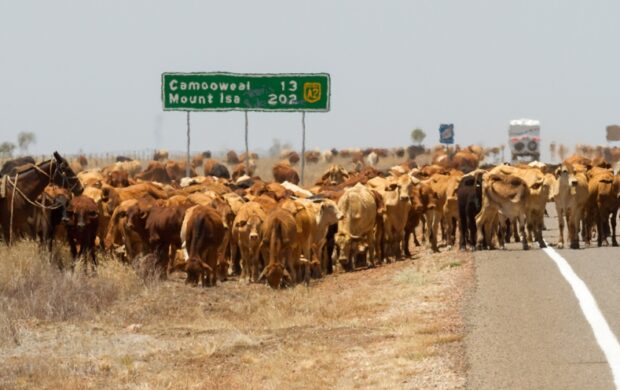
{"points": [[245, 92]]}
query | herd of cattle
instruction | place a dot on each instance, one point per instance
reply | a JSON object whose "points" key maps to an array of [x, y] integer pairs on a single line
{"points": [[219, 224]]}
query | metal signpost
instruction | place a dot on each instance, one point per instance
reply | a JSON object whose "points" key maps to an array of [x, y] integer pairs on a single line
{"points": [[220, 91]]}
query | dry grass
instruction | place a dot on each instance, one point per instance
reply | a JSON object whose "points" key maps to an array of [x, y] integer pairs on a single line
{"points": [[33, 288], [397, 326]]}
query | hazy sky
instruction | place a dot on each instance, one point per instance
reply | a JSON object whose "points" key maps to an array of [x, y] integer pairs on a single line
{"points": [[85, 75]]}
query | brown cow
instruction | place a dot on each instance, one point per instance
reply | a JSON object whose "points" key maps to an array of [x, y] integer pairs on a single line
{"points": [[506, 192], [326, 214], [290, 155], [312, 156], [119, 237], [247, 237], [570, 196], [177, 170], [279, 240], [155, 171], [422, 199], [117, 178], [283, 172], [241, 169], [82, 221], [232, 157], [162, 228], [214, 168], [602, 205], [203, 236]]}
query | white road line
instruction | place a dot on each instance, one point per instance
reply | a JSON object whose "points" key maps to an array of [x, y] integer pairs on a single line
{"points": [[603, 334]]}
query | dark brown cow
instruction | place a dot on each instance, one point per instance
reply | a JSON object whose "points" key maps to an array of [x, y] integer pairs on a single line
{"points": [[292, 157], [232, 158], [162, 228], [82, 222], [214, 168], [283, 172], [203, 236]]}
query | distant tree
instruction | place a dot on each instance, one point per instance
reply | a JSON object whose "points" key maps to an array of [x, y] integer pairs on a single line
{"points": [[277, 146], [25, 139], [418, 135], [6, 149]]}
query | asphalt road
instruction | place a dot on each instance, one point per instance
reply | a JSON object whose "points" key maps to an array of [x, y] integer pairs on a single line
{"points": [[526, 328]]}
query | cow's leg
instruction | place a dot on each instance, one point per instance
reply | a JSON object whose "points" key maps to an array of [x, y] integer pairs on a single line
{"points": [[521, 222], [247, 263], [600, 227], [573, 228], [371, 251], [212, 262], [463, 226], [471, 229], [560, 214], [539, 235], [614, 215]]}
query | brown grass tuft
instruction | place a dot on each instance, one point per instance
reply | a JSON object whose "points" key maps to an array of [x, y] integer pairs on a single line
{"points": [[33, 288]]}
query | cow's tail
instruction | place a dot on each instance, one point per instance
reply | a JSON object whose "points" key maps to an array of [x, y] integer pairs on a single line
{"points": [[191, 238]]}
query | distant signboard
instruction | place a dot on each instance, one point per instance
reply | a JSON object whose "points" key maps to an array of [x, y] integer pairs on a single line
{"points": [[446, 133], [245, 92], [613, 133]]}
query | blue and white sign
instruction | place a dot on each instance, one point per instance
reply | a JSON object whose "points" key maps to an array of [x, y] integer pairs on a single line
{"points": [[446, 133]]}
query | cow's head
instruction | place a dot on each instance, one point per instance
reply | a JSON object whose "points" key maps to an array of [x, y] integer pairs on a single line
{"points": [[329, 213], [78, 216], [275, 275], [196, 269]]}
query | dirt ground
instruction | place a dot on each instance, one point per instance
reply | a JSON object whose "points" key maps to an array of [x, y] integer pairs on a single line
{"points": [[396, 326]]}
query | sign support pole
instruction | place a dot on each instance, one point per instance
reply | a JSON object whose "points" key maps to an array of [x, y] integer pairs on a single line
{"points": [[303, 145], [187, 166], [247, 148]]}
